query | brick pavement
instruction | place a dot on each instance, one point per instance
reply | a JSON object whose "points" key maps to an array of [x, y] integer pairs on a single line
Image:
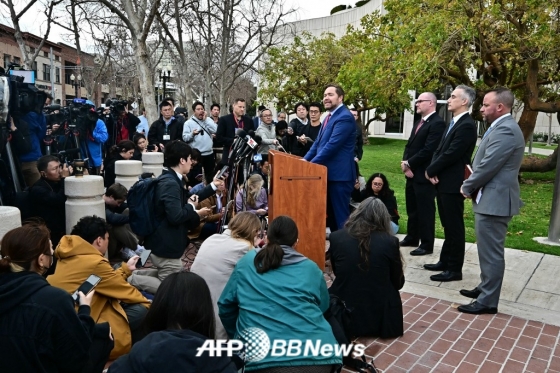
{"points": [[438, 338]]}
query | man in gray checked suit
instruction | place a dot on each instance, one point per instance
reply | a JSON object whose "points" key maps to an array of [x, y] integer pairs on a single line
{"points": [[495, 171]]}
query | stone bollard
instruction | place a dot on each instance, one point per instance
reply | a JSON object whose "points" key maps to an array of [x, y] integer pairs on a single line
{"points": [[152, 162], [10, 218], [85, 198], [127, 172]]}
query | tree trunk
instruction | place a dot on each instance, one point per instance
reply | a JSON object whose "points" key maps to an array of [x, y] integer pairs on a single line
{"points": [[527, 122], [532, 163], [146, 87]]}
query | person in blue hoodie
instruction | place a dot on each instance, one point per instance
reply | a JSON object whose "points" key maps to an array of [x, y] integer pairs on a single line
{"points": [[96, 136], [37, 130]]}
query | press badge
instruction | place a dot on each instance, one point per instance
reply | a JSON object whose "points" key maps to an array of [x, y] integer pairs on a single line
{"points": [[166, 137]]}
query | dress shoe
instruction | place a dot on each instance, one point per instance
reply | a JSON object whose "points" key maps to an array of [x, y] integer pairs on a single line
{"points": [[439, 266], [420, 251], [476, 308], [406, 242], [446, 276], [474, 293]]}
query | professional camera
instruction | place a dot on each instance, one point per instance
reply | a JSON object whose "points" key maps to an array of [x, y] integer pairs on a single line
{"points": [[117, 106]]}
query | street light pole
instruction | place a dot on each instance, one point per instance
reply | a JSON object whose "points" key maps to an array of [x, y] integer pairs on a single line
{"points": [[76, 83]]}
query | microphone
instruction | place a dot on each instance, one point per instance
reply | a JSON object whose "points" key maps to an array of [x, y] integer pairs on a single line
{"points": [[256, 138]]}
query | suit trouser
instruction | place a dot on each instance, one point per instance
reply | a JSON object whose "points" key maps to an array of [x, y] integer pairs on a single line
{"points": [[208, 164], [121, 236], [490, 238], [421, 211], [451, 207], [338, 203]]}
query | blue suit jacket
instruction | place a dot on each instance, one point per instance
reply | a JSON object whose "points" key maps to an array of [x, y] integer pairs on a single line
{"points": [[334, 146]]}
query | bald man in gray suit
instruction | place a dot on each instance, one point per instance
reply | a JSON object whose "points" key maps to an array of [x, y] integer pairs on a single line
{"points": [[494, 189]]}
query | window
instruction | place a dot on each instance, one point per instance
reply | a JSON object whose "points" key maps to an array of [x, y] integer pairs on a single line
{"points": [[57, 58], [17, 60], [57, 74], [46, 54], [7, 60], [34, 68], [67, 78], [46, 72]]}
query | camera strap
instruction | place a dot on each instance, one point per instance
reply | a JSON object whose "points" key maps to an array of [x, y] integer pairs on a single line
{"points": [[201, 126]]}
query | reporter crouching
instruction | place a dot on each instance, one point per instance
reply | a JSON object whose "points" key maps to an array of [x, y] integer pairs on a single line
{"points": [[40, 330]]}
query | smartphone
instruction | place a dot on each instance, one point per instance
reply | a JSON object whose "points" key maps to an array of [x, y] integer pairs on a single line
{"points": [[89, 284], [151, 147], [143, 258], [222, 172]]}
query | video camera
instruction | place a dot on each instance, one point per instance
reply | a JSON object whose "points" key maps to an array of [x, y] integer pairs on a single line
{"points": [[18, 94], [117, 106]]}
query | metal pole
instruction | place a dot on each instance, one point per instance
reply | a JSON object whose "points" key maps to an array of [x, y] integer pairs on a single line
{"points": [[549, 141], [52, 75], [554, 226]]}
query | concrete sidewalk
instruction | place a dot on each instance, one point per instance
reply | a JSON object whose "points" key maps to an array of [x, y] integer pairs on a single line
{"points": [[531, 288]]}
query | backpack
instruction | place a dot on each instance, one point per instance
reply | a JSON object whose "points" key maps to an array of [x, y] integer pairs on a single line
{"points": [[142, 206], [338, 316]]}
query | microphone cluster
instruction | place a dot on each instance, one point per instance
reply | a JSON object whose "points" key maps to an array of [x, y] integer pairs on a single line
{"points": [[244, 145]]}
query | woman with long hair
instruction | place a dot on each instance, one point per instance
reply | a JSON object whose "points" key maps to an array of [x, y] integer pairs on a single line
{"points": [[123, 151], [252, 196], [219, 254], [283, 293], [368, 266], [179, 321], [378, 186], [41, 331]]}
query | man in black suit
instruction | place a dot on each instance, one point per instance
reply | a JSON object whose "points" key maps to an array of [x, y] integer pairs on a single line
{"points": [[229, 124], [447, 172], [420, 193]]}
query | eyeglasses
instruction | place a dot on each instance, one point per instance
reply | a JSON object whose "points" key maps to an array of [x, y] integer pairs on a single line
{"points": [[377, 184], [420, 101]]}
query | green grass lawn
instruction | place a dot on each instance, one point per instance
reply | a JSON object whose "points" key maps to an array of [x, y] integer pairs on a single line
{"points": [[384, 155], [542, 145]]}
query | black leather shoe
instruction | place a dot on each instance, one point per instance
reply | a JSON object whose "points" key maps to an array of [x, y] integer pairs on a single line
{"points": [[474, 293], [420, 251], [446, 276], [406, 242], [476, 308], [439, 266]]}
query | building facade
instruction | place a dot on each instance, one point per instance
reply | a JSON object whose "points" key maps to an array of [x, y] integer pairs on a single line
{"points": [[54, 67]]}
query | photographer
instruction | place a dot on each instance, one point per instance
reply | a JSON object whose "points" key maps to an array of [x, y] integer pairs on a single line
{"points": [[47, 196], [96, 136], [126, 122], [37, 127], [199, 132]]}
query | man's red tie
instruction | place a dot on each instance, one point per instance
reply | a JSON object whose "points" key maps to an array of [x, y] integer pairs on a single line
{"points": [[419, 125], [326, 120]]}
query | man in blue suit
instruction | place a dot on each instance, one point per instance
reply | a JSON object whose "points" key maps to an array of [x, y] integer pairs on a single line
{"points": [[334, 148]]}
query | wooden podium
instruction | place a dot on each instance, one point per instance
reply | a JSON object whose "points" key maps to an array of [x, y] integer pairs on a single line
{"points": [[299, 189]]}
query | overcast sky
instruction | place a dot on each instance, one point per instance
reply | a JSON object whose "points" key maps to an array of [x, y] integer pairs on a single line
{"points": [[34, 20]]}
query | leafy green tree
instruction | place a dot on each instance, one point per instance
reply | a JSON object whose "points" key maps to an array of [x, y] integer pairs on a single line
{"points": [[424, 45], [301, 70]]}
